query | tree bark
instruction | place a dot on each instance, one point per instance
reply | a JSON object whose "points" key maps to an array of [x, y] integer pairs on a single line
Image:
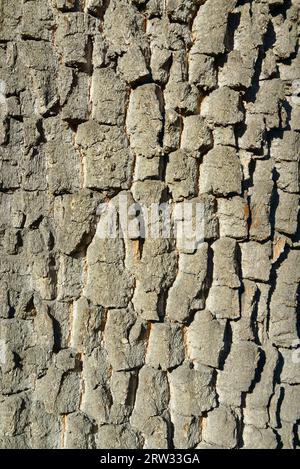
{"points": [[141, 336]]}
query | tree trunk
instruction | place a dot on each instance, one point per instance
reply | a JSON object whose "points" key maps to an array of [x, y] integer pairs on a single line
{"points": [[149, 195]]}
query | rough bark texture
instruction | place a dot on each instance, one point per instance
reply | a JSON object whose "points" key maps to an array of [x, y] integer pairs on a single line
{"points": [[132, 343]]}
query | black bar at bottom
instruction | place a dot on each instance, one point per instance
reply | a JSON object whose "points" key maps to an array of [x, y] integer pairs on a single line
{"points": [[135, 458]]}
